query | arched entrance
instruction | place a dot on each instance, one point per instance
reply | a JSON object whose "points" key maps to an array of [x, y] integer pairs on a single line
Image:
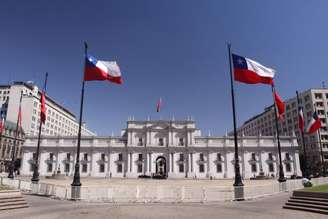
{"points": [[161, 166]]}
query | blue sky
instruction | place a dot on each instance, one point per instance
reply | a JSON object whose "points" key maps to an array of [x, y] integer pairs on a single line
{"points": [[174, 49]]}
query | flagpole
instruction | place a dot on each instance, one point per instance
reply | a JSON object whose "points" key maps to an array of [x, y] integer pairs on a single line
{"points": [[306, 175], [35, 177], [12, 165], [320, 144], [76, 180], [281, 169], [238, 180]]}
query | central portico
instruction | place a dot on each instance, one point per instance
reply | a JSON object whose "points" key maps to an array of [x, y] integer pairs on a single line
{"points": [[157, 144]]}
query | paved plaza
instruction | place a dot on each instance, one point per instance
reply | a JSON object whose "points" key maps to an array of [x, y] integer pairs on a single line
{"points": [[268, 208]]}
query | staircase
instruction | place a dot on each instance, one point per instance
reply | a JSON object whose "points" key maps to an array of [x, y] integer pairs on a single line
{"points": [[12, 199], [315, 202]]}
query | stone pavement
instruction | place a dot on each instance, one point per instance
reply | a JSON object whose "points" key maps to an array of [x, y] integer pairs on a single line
{"points": [[268, 208]]}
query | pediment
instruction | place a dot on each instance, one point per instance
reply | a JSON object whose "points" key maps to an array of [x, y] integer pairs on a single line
{"points": [[159, 126]]}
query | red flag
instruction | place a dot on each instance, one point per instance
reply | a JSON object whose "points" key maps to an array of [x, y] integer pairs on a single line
{"points": [[2, 123], [159, 105], [43, 108], [280, 105], [301, 119]]}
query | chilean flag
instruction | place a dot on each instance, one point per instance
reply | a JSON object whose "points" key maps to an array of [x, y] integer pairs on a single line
{"points": [[97, 70], [314, 124], [251, 72], [301, 119]]}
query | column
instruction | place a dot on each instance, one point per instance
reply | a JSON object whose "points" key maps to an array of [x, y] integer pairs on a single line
{"points": [[91, 163], [208, 164], [172, 162], [108, 162], [130, 162], [294, 163], [225, 164], [150, 163], [191, 162]]}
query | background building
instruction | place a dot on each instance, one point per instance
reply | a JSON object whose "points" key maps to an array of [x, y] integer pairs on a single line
{"points": [[8, 143], [60, 121], [172, 148], [264, 123]]}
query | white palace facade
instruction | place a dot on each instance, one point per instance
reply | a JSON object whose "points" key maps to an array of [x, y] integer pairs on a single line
{"points": [[175, 149]]}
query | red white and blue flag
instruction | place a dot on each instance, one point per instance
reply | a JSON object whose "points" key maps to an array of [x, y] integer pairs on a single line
{"points": [[251, 72], [97, 70], [301, 119], [314, 124]]}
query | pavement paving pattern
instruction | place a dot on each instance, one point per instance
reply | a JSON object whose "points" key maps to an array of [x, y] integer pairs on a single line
{"points": [[268, 208]]}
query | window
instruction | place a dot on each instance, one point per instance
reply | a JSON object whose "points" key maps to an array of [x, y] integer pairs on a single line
{"points": [[139, 168], [218, 157], [218, 168], [102, 157], [140, 142], [181, 142], [139, 157], [49, 169], [119, 168], [84, 168], [32, 167], [201, 168], [318, 96], [181, 158], [270, 156], [271, 167], [51, 156], [253, 157], [120, 157], [67, 167], [287, 156], [181, 168], [254, 168], [85, 156], [68, 156], [160, 142], [288, 167], [201, 157], [102, 168]]}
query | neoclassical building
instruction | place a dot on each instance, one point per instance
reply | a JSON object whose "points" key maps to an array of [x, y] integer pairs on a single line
{"points": [[175, 149]]}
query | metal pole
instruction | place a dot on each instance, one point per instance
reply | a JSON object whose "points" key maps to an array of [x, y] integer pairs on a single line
{"points": [[12, 165], [306, 172], [281, 169], [238, 180], [320, 145], [35, 177], [76, 180]]}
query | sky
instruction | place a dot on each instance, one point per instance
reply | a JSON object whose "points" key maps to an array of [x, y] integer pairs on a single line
{"points": [[174, 49]]}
